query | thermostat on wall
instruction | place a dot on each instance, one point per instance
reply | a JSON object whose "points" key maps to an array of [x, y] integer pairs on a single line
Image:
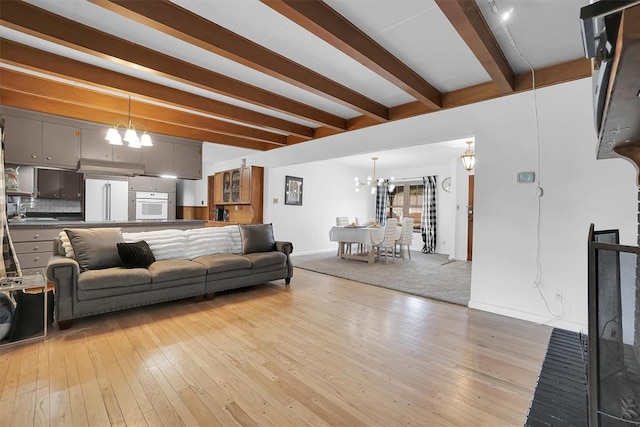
{"points": [[526, 177]]}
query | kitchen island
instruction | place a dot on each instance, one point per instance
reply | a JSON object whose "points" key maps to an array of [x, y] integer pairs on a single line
{"points": [[33, 238]]}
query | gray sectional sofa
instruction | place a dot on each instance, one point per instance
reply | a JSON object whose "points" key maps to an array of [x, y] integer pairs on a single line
{"points": [[99, 270]]}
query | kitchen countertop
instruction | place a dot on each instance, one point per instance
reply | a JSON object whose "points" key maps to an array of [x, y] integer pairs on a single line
{"points": [[61, 223]]}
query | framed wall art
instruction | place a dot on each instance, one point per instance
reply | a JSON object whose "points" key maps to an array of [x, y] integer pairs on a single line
{"points": [[293, 191]]}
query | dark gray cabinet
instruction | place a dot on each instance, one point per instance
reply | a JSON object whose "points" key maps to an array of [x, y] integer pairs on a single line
{"points": [[59, 184]]}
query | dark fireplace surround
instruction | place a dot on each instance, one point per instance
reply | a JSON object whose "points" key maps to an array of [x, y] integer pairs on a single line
{"points": [[613, 368]]}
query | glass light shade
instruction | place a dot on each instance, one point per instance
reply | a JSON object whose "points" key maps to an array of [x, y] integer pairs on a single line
{"points": [[132, 138], [468, 160], [113, 136], [145, 140]]}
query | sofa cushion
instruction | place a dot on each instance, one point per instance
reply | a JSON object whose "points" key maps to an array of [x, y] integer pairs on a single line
{"points": [[117, 277], [136, 254], [264, 259], [223, 262], [174, 269], [235, 240], [257, 238], [95, 248], [207, 241], [165, 244]]}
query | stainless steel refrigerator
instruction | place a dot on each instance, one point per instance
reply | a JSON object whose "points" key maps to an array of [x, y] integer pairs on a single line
{"points": [[106, 199]]}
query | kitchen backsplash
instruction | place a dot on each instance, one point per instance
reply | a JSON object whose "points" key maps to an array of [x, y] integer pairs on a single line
{"points": [[55, 205]]}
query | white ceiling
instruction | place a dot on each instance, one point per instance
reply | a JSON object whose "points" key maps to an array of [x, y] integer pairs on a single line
{"points": [[416, 32]]}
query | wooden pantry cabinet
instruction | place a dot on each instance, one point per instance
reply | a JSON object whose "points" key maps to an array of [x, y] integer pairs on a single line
{"points": [[239, 191]]}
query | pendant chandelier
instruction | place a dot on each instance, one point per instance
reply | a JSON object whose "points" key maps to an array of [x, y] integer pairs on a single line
{"points": [[374, 182], [469, 157], [130, 135]]}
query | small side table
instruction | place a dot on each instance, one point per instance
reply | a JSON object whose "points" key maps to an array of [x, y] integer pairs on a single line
{"points": [[21, 283]]}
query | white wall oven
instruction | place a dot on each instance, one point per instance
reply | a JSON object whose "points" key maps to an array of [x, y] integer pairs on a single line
{"points": [[152, 205]]}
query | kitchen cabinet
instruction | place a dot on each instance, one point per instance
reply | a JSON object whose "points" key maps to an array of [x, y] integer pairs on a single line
{"points": [[23, 140], [70, 185], [33, 247], [60, 145], [94, 146], [158, 160], [34, 142], [59, 184], [187, 161], [151, 183], [171, 209], [172, 158]]}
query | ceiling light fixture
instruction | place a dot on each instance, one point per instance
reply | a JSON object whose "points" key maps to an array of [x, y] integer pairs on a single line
{"points": [[130, 135], [374, 182], [469, 157]]}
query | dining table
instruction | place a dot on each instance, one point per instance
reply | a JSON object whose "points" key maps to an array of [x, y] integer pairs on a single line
{"points": [[365, 236]]}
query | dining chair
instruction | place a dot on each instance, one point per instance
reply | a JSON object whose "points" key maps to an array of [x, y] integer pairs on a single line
{"points": [[343, 221], [406, 237], [389, 241]]}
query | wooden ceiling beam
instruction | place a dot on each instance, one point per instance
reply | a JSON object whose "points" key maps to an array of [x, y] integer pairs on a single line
{"points": [[320, 19], [178, 22], [11, 98], [48, 63], [41, 23], [466, 18], [16, 81]]}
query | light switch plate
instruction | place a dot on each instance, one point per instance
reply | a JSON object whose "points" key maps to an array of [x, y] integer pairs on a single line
{"points": [[526, 177]]}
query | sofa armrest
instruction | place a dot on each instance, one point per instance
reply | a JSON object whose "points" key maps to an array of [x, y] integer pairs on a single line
{"points": [[284, 247], [64, 273]]}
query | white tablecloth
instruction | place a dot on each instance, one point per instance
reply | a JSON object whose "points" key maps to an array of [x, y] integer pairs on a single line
{"points": [[368, 236]]}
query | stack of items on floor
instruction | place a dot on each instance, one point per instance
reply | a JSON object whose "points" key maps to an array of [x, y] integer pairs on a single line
{"points": [[99, 270]]}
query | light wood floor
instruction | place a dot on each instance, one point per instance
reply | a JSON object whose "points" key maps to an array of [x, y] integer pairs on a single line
{"points": [[325, 351]]}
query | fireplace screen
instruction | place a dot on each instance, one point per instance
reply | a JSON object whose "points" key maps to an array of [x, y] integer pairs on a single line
{"points": [[614, 331]]}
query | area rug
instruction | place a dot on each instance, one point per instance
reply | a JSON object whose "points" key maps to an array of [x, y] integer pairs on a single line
{"points": [[428, 275]]}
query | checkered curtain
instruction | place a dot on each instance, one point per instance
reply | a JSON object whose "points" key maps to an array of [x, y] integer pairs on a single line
{"points": [[10, 265], [428, 222], [382, 197]]}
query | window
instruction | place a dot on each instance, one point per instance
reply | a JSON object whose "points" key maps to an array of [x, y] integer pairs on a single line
{"points": [[406, 201]]}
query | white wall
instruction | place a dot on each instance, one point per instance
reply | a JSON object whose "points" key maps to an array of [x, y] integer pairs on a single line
{"points": [[327, 192], [578, 190]]}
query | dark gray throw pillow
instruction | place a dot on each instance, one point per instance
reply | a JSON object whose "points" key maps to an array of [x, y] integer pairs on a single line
{"points": [[95, 248], [257, 238], [136, 254]]}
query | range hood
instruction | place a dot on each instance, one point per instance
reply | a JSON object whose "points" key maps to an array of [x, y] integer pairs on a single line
{"points": [[105, 167]]}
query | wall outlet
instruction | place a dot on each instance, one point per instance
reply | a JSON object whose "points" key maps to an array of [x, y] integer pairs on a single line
{"points": [[557, 295], [275, 200]]}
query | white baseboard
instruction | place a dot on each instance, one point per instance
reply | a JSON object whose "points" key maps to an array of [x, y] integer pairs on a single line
{"points": [[531, 317], [294, 254]]}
